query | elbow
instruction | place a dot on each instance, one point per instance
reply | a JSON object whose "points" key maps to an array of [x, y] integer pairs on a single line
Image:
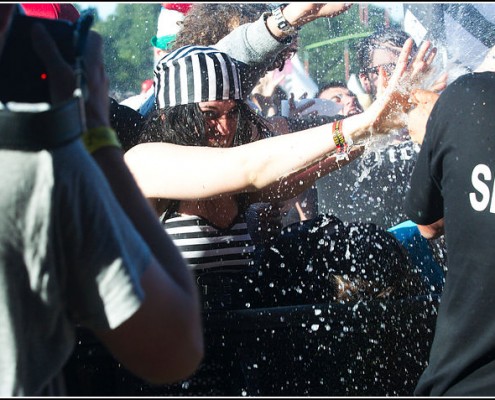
{"points": [[174, 362], [252, 181], [166, 371], [192, 360], [432, 231], [184, 353]]}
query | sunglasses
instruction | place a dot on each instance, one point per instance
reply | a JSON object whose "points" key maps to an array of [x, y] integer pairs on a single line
{"points": [[374, 70]]}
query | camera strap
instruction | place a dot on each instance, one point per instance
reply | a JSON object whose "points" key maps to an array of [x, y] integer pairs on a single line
{"points": [[41, 130]]}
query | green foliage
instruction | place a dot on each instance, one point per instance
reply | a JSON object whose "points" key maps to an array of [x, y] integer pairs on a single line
{"points": [[128, 52], [324, 41]]}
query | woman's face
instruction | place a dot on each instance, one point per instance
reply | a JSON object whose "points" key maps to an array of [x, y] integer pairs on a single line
{"points": [[221, 117]]}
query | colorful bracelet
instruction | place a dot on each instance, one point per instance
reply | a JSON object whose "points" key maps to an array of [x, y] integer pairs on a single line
{"points": [[96, 138], [338, 137]]}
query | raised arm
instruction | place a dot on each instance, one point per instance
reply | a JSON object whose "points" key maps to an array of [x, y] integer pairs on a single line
{"points": [[170, 171], [257, 44]]}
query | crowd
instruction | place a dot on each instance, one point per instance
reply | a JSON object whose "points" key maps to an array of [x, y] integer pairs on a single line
{"points": [[133, 219]]}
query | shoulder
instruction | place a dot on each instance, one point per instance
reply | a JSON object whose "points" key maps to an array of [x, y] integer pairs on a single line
{"points": [[468, 85]]}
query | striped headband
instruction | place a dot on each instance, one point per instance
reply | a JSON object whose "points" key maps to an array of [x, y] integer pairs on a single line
{"points": [[193, 74]]}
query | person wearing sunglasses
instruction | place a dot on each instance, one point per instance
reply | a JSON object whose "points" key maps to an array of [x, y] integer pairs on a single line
{"points": [[380, 49]]}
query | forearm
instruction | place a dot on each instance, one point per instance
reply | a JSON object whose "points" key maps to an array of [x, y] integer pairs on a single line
{"points": [[295, 184], [254, 47], [251, 43], [252, 167]]}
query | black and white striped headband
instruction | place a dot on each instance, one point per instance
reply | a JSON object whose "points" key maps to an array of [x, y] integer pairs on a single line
{"points": [[193, 74]]}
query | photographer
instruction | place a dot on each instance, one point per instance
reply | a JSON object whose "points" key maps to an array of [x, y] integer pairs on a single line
{"points": [[79, 249]]}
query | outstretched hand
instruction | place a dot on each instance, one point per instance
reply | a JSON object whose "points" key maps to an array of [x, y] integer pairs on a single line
{"points": [[422, 69], [319, 10], [419, 70], [388, 110]]}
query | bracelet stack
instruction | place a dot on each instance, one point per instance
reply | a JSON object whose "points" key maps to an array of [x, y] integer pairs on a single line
{"points": [[338, 137]]}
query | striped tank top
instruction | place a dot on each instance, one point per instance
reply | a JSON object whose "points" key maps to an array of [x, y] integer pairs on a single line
{"points": [[207, 248]]}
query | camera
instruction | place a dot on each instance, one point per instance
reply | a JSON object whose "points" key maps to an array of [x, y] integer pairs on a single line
{"points": [[23, 75]]}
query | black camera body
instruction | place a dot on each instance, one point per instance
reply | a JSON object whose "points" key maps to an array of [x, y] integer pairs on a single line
{"points": [[23, 76]]}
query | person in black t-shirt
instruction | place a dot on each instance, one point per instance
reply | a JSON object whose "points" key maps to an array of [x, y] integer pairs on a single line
{"points": [[451, 192]]}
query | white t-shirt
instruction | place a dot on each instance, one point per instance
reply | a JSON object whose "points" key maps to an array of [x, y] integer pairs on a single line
{"points": [[68, 254]]}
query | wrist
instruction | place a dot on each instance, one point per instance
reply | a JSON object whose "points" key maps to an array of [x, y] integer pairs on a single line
{"points": [[358, 127], [338, 136], [98, 137], [283, 20], [96, 123], [282, 27]]}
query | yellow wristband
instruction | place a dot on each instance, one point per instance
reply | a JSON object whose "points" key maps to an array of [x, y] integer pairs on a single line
{"points": [[96, 138]]}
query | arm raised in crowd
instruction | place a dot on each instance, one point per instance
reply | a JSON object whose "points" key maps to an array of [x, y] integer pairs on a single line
{"points": [[162, 341], [204, 172], [257, 44]]}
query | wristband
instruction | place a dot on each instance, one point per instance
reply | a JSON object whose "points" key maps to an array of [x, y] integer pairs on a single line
{"points": [[341, 142], [96, 138], [338, 137]]}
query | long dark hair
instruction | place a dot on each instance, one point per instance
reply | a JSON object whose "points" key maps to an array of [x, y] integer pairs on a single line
{"points": [[185, 125]]}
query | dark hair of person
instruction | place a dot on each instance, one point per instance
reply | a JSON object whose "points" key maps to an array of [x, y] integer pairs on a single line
{"points": [[391, 36], [127, 123], [185, 125], [329, 85], [219, 18]]}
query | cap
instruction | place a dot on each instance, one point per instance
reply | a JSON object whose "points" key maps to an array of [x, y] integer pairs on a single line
{"points": [[63, 11], [193, 74]]}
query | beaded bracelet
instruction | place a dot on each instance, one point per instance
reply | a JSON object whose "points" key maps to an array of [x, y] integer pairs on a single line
{"points": [[338, 137], [96, 138]]}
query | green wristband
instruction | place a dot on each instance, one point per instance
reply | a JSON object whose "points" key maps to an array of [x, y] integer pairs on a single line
{"points": [[96, 138]]}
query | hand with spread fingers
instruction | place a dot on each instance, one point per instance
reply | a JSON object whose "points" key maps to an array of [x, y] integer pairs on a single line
{"points": [[388, 110], [418, 71]]}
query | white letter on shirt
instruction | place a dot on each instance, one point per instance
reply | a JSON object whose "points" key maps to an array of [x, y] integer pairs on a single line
{"points": [[481, 187]]}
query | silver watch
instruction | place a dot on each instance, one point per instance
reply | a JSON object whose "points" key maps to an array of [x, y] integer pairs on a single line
{"points": [[282, 23]]}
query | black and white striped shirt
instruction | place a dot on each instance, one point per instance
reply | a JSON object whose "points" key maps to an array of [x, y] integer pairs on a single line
{"points": [[206, 247]]}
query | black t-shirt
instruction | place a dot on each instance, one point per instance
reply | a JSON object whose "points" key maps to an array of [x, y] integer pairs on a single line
{"points": [[454, 179], [371, 188]]}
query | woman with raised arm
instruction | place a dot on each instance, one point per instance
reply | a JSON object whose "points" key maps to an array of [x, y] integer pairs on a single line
{"points": [[202, 187]]}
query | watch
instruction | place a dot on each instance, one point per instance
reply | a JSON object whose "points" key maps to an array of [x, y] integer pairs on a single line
{"points": [[282, 23]]}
